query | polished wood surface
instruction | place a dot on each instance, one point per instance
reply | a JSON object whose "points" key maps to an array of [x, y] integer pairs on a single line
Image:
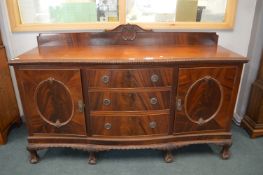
{"points": [[253, 119], [205, 94], [9, 113], [129, 78], [129, 101], [136, 94], [50, 101], [127, 54], [124, 34], [127, 44], [130, 125]]}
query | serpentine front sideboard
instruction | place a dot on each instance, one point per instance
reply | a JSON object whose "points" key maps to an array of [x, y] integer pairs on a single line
{"points": [[128, 88]]}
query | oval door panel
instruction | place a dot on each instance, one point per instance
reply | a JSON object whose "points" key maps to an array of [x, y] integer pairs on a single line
{"points": [[54, 102], [203, 100]]}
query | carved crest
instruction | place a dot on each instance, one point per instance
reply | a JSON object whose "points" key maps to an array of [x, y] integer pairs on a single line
{"points": [[128, 31]]}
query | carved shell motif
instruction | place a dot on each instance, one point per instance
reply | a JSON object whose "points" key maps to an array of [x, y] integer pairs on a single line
{"points": [[129, 31], [54, 103]]}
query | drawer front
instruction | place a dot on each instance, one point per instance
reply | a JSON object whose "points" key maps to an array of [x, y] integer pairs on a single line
{"points": [[117, 125], [129, 78], [129, 101]]}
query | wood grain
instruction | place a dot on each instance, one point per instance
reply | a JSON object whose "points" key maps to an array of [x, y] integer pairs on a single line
{"points": [[9, 114], [127, 44], [130, 125], [129, 101], [128, 55], [125, 107], [253, 120], [51, 100], [124, 34], [205, 100], [129, 78]]}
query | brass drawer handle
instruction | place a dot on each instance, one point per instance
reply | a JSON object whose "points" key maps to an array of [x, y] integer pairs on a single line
{"points": [[152, 125], [154, 78], [106, 102], [107, 126], [153, 101], [105, 79]]}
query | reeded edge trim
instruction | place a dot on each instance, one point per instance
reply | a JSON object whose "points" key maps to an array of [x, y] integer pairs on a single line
{"points": [[118, 61]]}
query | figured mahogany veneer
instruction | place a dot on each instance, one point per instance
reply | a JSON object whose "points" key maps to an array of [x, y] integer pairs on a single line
{"points": [[206, 94], [128, 88], [129, 78], [52, 98], [129, 101], [130, 125]]}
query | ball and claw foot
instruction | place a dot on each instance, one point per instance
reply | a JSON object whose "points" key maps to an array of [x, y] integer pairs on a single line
{"points": [[34, 158], [225, 153], [92, 158], [168, 156]]}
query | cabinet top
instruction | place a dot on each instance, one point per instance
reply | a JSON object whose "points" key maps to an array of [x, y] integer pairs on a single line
{"points": [[127, 44], [127, 54]]}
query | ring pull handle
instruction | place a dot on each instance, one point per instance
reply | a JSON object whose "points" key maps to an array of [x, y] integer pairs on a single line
{"points": [[154, 78], [153, 101], [106, 102], [152, 125], [105, 79], [107, 126]]}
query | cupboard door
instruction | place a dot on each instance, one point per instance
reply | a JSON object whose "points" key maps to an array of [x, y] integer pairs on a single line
{"points": [[52, 101], [205, 98]]}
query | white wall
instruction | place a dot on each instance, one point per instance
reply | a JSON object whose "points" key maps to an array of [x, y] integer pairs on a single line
{"points": [[236, 39], [251, 69], [15, 44]]}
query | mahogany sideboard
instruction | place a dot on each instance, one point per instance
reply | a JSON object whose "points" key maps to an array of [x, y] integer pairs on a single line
{"points": [[128, 88]]}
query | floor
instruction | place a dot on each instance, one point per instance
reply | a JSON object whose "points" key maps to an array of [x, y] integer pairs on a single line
{"points": [[247, 159]]}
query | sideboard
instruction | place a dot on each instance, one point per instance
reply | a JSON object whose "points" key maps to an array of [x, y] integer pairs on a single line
{"points": [[128, 88]]}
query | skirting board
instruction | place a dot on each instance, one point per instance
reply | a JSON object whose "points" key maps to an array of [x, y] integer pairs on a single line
{"points": [[237, 119]]}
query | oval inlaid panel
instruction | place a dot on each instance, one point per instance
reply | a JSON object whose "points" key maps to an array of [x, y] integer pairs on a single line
{"points": [[203, 100], [54, 102]]}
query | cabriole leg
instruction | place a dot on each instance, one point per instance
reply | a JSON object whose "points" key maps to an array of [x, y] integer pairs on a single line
{"points": [[168, 156], [92, 158], [225, 153], [33, 156]]}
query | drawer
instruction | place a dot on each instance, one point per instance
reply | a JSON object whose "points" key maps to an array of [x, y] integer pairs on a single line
{"points": [[136, 125], [129, 101], [129, 78]]}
